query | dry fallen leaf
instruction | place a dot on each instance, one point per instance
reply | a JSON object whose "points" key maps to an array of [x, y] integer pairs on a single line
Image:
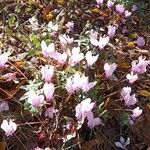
{"points": [[144, 93], [2, 145]]}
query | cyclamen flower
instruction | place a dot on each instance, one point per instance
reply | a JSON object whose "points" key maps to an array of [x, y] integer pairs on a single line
{"points": [[3, 59], [140, 41], [124, 30], [134, 8], [50, 112], [4, 106], [120, 9], [93, 35], [92, 122], [61, 58], [65, 39], [103, 41], [127, 13], [77, 82], [99, 2], [70, 26], [49, 90], [125, 91], [131, 77], [136, 112], [128, 99], [47, 72], [111, 31], [110, 4], [48, 51], [34, 23], [109, 69], [140, 67], [38, 148], [36, 100], [73, 83], [76, 56], [52, 26], [9, 127], [91, 59], [9, 76], [85, 85], [83, 108], [69, 86], [123, 143]]}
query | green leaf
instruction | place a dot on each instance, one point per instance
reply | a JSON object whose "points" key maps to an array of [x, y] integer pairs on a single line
{"points": [[124, 121]]}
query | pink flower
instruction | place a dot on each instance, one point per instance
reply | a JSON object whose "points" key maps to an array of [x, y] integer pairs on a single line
{"points": [[127, 13], [124, 30], [140, 41], [9, 127], [9, 76], [111, 31], [120, 9], [3, 59], [136, 112], [83, 108], [103, 41], [4, 106], [134, 8], [131, 77], [92, 122], [38, 148], [93, 35], [99, 2], [70, 26], [47, 72], [90, 59], [73, 83], [76, 56], [50, 112], [36, 100], [76, 82], [61, 58], [140, 67], [109, 69], [125, 91], [128, 99], [69, 86], [110, 4], [49, 90], [85, 85], [47, 51]]}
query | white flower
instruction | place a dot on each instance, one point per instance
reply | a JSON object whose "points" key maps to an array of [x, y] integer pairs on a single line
{"points": [[52, 27], [34, 23], [131, 77], [90, 59]]}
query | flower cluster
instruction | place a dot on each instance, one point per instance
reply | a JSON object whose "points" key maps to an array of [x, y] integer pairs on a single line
{"points": [[77, 82], [84, 110]]}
